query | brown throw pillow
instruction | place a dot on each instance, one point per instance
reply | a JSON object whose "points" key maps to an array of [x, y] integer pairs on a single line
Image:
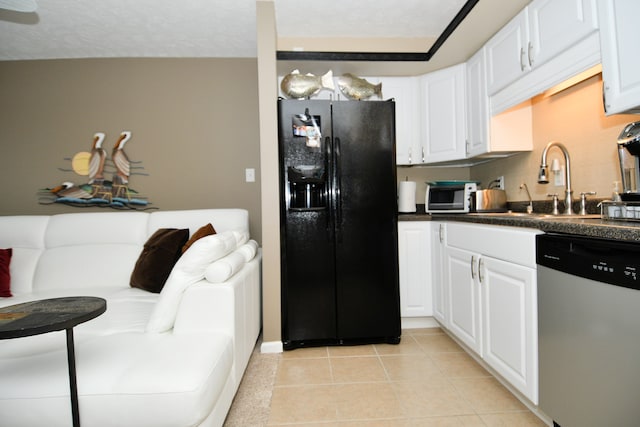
{"points": [[205, 230], [5, 275], [157, 259]]}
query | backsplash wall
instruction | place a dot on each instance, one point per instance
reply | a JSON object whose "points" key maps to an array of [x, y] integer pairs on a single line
{"points": [[575, 118]]}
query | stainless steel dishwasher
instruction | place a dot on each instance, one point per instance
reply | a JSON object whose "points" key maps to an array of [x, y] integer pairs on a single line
{"points": [[589, 331]]}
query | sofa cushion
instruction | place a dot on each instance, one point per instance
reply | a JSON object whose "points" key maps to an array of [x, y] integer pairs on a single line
{"points": [[101, 228], [188, 270], [248, 250], [205, 230], [97, 249], [222, 219], [5, 274], [220, 270], [160, 253], [128, 379]]}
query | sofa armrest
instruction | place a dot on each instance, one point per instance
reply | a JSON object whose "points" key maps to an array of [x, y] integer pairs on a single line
{"points": [[232, 308]]}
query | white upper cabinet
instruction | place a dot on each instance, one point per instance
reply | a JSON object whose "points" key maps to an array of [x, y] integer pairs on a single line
{"points": [[620, 61], [443, 114], [548, 42], [555, 25], [403, 90], [540, 32], [506, 53], [488, 136], [477, 106]]}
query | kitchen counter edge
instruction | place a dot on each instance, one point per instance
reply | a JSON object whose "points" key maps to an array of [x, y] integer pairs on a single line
{"points": [[592, 227]]}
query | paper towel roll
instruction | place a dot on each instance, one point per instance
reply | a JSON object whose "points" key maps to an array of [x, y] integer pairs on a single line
{"points": [[407, 196]]}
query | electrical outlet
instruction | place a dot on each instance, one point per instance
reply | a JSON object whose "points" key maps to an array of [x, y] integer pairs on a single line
{"points": [[500, 181], [250, 175]]}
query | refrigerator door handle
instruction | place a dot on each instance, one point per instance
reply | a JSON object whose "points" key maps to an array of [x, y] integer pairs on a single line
{"points": [[328, 188], [338, 184]]}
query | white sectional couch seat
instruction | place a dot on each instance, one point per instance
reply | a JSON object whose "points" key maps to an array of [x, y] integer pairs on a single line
{"points": [[170, 359]]}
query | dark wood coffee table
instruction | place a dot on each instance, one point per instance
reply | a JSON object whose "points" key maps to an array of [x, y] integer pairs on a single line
{"points": [[56, 314]]}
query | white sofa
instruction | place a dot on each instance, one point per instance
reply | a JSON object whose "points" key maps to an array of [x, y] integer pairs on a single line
{"points": [[137, 364]]}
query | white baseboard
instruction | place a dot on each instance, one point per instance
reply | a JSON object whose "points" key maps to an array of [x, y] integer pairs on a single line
{"points": [[419, 322], [271, 347]]}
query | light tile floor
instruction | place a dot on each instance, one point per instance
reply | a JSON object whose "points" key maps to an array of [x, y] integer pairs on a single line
{"points": [[426, 380]]}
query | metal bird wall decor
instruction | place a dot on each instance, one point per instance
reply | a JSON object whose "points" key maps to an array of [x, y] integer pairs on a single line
{"points": [[99, 191]]}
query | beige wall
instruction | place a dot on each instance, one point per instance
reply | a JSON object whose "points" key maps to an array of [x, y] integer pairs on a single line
{"points": [[270, 173], [575, 118], [194, 125]]}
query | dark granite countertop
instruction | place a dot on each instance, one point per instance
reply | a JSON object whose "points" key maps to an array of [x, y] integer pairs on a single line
{"points": [[592, 227]]}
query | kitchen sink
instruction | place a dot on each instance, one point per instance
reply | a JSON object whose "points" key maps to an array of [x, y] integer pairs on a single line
{"points": [[536, 215], [505, 214], [568, 217]]}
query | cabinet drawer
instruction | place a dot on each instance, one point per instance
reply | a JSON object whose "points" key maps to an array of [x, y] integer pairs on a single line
{"points": [[511, 244]]}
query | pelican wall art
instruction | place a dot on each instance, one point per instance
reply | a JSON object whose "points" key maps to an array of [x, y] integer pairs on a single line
{"points": [[98, 190]]}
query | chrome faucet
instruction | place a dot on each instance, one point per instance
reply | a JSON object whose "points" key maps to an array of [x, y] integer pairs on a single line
{"points": [[530, 205], [543, 179]]}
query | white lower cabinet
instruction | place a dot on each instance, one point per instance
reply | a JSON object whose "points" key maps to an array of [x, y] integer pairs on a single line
{"points": [[461, 276], [509, 323], [414, 262], [490, 281], [440, 299]]}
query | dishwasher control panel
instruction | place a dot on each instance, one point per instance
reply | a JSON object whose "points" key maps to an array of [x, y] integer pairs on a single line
{"points": [[608, 261]]}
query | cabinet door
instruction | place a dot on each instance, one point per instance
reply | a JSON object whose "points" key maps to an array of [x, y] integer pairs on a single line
{"points": [[506, 53], [443, 114], [620, 62], [414, 260], [555, 25], [477, 106], [404, 90], [510, 323], [461, 269], [440, 312]]}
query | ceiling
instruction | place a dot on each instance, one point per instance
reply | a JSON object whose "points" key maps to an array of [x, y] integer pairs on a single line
{"points": [[227, 28]]}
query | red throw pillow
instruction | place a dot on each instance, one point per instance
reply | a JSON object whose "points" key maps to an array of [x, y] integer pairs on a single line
{"points": [[157, 259], [5, 275]]}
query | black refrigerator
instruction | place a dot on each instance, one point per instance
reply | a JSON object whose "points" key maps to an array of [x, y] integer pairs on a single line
{"points": [[338, 204]]}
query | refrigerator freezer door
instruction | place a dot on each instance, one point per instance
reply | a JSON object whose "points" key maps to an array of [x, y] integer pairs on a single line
{"points": [[307, 247]]}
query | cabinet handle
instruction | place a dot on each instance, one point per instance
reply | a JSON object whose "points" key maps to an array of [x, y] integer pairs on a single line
{"points": [[410, 156], [441, 233], [604, 96], [529, 53], [473, 263], [423, 160], [480, 267], [521, 59]]}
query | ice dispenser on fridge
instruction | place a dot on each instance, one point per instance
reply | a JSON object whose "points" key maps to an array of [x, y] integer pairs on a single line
{"points": [[307, 187], [629, 155]]}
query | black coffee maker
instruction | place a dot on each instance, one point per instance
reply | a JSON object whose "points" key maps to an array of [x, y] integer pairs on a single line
{"points": [[629, 154]]}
